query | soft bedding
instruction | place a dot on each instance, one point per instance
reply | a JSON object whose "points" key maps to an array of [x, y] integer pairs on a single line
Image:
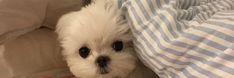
{"points": [[184, 38], [33, 53], [18, 17]]}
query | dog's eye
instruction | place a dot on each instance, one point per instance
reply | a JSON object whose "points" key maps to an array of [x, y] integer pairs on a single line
{"points": [[84, 52], [117, 45]]}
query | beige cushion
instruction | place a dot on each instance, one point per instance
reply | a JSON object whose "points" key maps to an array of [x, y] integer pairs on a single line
{"points": [[20, 16], [33, 52], [5, 69], [56, 8]]}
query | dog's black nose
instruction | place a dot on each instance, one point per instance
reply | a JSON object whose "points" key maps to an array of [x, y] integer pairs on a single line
{"points": [[102, 61]]}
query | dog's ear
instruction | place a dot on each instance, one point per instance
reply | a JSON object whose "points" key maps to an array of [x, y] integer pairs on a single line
{"points": [[86, 2]]}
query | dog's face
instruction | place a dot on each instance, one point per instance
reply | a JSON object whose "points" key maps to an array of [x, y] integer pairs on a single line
{"points": [[96, 45], [102, 56]]}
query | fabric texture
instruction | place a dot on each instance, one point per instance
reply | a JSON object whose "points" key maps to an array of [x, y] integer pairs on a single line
{"points": [[184, 38], [56, 73], [5, 71], [20, 16], [33, 52], [56, 8]]}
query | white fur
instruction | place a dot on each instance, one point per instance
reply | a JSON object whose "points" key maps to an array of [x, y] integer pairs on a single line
{"points": [[98, 26]]}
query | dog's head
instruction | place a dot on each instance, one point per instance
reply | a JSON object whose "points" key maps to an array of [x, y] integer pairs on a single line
{"points": [[97, 42]]}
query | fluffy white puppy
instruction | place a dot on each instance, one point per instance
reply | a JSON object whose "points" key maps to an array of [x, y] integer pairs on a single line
{"points": [[97, 43]]}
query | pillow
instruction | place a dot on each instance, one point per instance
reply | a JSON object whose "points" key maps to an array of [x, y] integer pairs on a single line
{"points": [[35, 52], [4, 72], [20, 16], [55, 73], [56, 8]]}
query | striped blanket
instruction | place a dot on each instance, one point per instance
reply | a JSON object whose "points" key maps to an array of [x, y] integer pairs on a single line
{"points": [[184, 38]]}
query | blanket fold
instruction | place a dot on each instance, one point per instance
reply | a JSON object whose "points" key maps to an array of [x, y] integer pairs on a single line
{"points": [[184, 38]]}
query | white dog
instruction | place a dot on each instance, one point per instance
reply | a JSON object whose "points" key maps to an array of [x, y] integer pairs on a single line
{"points": [[97, 43]]}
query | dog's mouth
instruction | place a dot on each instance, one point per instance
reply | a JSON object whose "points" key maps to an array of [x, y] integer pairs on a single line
{"points": [[102, 63], [106, 71], [103, 71]]}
